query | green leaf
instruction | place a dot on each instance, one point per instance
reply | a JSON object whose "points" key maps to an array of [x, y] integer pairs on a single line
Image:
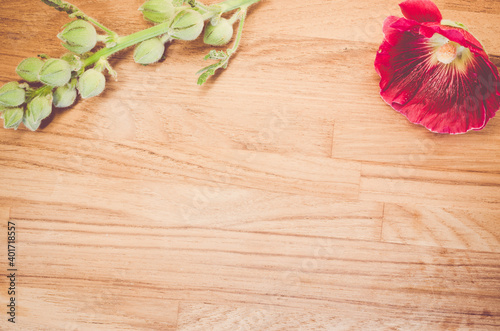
{"points": [[210, 70], [216, 55]]}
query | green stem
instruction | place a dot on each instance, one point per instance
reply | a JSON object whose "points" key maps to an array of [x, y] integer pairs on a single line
{"points": [[234, 18], [102, 27], [33, 93], [130, 40], [243, 15]]}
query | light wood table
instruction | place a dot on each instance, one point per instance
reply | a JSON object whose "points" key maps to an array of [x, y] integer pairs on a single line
{"points": [[283, 195]]}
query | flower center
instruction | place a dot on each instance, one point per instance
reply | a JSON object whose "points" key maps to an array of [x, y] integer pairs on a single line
{"points": [[447, 53], [451, 54]]}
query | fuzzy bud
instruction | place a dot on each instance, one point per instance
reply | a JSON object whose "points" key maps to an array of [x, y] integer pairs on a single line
{"points": [[55, 72], [29, 69], [91, 83], [12, 95], [64, 96], [33, 126], [187, 25], [158, 11], [220, 34], [12, 117], [78, 36], [149, 51], [39, 108]]}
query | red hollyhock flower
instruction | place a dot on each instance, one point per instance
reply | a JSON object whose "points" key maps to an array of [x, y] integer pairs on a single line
{"points": [[435, 72]]}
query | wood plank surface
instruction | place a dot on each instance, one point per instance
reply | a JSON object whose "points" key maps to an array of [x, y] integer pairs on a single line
{"points": [[282, 195]]}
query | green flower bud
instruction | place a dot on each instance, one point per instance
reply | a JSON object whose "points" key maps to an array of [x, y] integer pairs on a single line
{"points": [[33, 126], [64, 96], [220, 34], [39, 108], [55, 72], [78, 36], [12, 117], [29, 69], [74, 61], [91, 83], [12, 95], [187, 25], [149, 51], [158, 11]]}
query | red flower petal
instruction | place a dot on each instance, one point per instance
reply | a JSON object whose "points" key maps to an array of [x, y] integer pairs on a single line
{"points": [[457, 35], [490, 82], [391, 34], [436, 96], [421, 11]]}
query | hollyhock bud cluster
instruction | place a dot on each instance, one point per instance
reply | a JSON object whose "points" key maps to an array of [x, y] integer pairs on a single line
{"points": [[184, 24], [56, 82], [52, 82]]}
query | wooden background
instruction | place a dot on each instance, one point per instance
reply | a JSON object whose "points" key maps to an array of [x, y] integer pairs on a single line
{"points": [[283, 195]]}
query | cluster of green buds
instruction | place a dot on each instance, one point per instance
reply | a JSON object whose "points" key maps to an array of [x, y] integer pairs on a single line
{"points": [[52, 82], [185, 23], [49, 82]]}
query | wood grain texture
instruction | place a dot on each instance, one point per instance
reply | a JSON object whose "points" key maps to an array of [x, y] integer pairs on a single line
{"points": [[282, 195]]}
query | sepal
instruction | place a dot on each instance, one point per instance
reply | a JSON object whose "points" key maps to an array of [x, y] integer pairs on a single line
{"points": [[78, 36], [187, 25], [12, 117], [149, 51], [29, 69], [55, 72], [12, 94], [91, 83]]}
